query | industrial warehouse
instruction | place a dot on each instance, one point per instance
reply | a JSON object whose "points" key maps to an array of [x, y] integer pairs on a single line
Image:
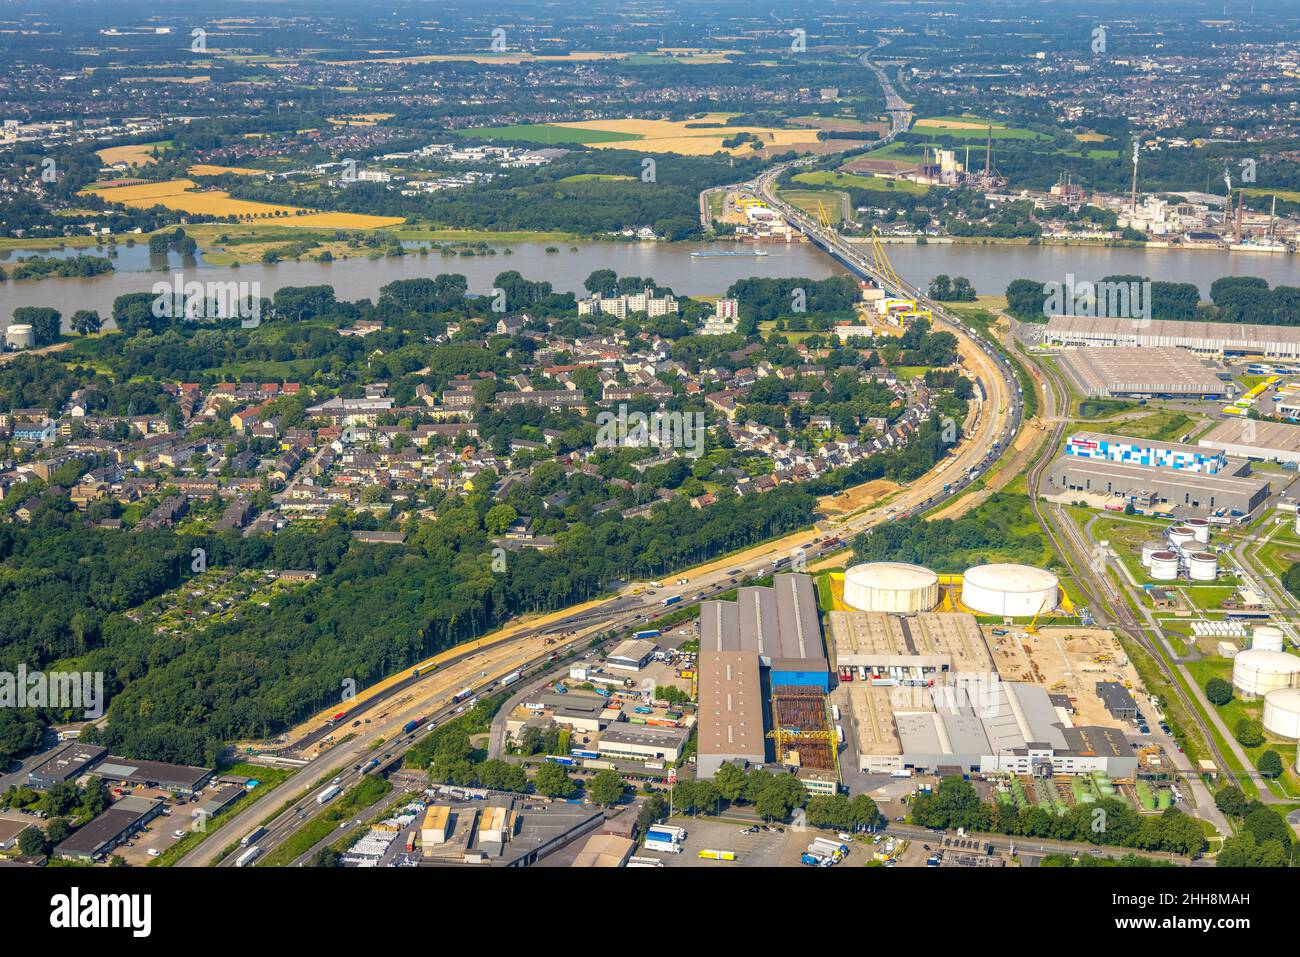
{"points": [[776, 630], [1252, 439], [1156, 475], [1159, 372], [1203, 338]]}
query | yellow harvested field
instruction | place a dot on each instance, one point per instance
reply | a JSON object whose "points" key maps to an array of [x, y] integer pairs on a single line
{"points": [[167, 79], [360, 119], [958, 124], [137, 154], [205, 169], [181, 194], [491, 58], [676, 136], [1091, 137]]}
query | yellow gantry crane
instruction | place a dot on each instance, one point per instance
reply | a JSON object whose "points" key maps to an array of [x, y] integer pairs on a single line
{"points": [[881, 262]]}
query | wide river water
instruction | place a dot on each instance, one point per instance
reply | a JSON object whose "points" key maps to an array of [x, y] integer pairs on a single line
{"points": [[989, 268]]}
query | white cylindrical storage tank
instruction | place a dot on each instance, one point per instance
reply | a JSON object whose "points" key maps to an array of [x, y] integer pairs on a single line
{"points": [[20, 336], [896, 587], [1297, 530], [1180, 537], [1256, 672], [1020, 591], [1149, 549], [1202, 567], [1164, 566], [1267, 638], [1282, 713], [1200, 529]]}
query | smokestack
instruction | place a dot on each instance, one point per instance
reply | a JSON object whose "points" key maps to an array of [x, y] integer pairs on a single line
{"points": [[1133, 195]]}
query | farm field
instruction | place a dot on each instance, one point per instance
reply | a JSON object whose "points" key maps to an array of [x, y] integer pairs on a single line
{"points": [[137, 154], [182, 194], [207, 169], [359, 119], [653, 136], [808, 200], [828, 178], [973, 128]]}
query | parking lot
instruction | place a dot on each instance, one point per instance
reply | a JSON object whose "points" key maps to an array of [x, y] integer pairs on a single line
{"points": [[762, 848]]}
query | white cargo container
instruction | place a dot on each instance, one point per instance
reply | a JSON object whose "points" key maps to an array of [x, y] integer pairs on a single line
{"points": [[330, 792]]}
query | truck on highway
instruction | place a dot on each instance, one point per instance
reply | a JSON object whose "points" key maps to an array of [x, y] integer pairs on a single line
{"points": [[370, 765], [648, 633], [422, 670], [330, 792], [252, 836], [672, 600], [412, 725], [461, 695], [510, 678], [248, 857]]}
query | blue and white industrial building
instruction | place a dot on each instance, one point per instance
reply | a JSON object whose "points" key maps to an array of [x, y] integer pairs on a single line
{"points": [[1122, 448]]}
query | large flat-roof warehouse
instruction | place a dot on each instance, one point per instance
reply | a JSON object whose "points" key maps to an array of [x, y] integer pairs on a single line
{"points": [[1206, 338], [930, 640], [1255, 439], [1148, 486], [777, 628], [1132, 371]]}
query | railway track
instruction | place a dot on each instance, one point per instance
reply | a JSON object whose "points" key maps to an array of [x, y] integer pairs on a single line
{"points": [[1110, 607]]}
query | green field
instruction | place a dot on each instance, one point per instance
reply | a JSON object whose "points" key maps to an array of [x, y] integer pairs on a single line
{"points": [[808, 199], [594, 177], [547, 133], [827, 178], [1000, 131]]}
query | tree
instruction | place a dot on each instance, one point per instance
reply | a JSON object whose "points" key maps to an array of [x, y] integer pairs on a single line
{"points": [[672, 694], [552, 780], [771, 805], [1218, 691], [31, 842], [57, 830], [606, 787], [86, 321], [730, 782], [1250, 732], [653, 810], [499, 518], [1231, 801], [1270, 764], [326, 857], [43, 320]]}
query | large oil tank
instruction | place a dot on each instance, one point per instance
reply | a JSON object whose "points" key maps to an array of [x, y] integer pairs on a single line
{"points": [[1202, 566], [1149, 549], [896, 587], [20, 336], [1282, 713], [1164, 566], [1020, 591], [1200, 529], [1267, 638], [1256, 672], [1181, 536]]}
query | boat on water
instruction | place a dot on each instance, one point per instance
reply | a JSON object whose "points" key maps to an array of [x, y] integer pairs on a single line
{"points": [[726, 253], [1264, 246]]}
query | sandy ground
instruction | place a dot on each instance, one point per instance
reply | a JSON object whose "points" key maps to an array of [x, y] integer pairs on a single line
{"points": [[850, 500], [1068, 661]]}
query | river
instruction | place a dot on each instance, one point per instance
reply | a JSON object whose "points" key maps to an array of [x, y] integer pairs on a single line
{"points": [[988, 267]]}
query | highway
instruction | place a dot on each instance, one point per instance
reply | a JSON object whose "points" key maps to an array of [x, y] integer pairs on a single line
{"points": [[998, 419]]}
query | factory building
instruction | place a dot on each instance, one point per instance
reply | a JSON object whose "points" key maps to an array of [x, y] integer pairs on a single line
{"points": [[1117, 699], [1203, 338], [1152, 486], [631, 655], [178, 778], [641, 743], [67, 763], [1252, 439], [1012, 727], [110, 828], [1160, 372], [919, 647], [1098, 446], [730, 710]]}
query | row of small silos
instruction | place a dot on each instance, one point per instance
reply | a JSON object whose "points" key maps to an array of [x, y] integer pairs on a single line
{"points": [[1164, 559]]}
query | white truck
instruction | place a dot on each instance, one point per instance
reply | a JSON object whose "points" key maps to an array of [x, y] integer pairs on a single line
{"points": [[248, 856], [663, 847], [330, 792]]}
